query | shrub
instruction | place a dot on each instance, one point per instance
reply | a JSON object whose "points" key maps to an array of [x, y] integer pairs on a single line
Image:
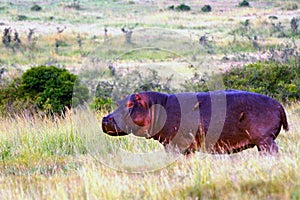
{"points": [[103, 94], [133, 82], [273, 17], [22, 17], [274, 79], [9, 94], [171, 7], [280, 81], [244, 3], [183, 7], [101, 103], [206, 8], [48, 89], [36, 8], [196, 83], [51, 88]]}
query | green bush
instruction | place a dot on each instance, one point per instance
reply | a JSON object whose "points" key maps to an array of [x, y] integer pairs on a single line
{"points": [[273, 17], [196, 83], [274, 79], [102, 103], [133, 82], [48, 89], [172, 7], [206, 8], [280, 81], [36, 8], [103, 98], [22, 17], [244, 3], [9, 98], [183, 7]]}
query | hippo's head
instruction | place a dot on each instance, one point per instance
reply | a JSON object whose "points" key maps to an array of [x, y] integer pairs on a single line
{"points": [[131, 116]]}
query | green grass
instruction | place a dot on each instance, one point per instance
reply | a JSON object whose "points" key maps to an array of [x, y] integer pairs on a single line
{"points": [[44, 158]]}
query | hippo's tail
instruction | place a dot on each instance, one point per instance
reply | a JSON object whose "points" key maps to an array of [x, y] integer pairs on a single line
{"points": [[283, 118]]}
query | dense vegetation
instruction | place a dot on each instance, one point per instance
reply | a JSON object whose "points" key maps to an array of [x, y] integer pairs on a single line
{"points": [[206, 8], [244, 3], [181, 7], [277, 80], [280, 81], [133, 82], [47, 89], [50, 89]]}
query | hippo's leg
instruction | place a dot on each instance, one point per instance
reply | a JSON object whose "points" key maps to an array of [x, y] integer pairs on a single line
{"points": [[268, 146]]}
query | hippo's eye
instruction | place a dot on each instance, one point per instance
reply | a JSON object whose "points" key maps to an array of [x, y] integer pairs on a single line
{"points": [[129, 104]]}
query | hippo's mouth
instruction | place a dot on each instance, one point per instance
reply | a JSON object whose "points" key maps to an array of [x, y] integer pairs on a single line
{"points": [[113, 131], [110, 127]]}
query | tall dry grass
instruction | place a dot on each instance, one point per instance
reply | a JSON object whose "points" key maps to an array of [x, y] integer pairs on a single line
{"points": [[44, 158]]}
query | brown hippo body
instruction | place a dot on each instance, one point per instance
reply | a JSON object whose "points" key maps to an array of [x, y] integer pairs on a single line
{"points": [[223, 121]]}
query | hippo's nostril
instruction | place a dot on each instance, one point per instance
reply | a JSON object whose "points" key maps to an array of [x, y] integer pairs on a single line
{"points": [[107, 120]]}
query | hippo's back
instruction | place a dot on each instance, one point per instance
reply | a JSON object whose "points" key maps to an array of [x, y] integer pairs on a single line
{"points": [[251, 120]]}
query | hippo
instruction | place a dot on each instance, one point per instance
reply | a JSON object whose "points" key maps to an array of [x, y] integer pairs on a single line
{"points": [[224, 121]]}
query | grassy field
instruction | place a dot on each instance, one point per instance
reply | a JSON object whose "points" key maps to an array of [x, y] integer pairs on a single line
{"points": [[71, 158], [46, 159]]}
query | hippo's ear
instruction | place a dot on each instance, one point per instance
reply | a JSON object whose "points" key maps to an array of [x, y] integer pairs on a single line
{"points": [[138, 98]]}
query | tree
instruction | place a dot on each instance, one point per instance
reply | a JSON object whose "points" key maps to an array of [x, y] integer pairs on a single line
{"points": [[52, 88]]}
